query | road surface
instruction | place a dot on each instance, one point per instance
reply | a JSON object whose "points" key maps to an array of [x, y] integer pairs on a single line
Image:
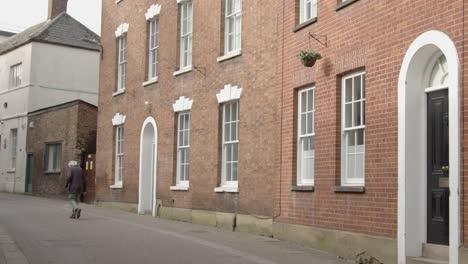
{"points": [[38, 231]]}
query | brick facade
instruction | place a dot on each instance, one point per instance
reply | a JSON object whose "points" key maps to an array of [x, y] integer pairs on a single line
{"points": [[366, 35], [73, 125], [254, 71], [370, 36]]}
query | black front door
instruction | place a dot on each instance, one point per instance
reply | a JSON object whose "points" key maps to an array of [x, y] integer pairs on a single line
{"points": [[438, 168]]}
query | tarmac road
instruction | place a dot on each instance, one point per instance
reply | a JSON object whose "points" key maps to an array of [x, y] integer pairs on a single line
{"points": [[38, 231]]}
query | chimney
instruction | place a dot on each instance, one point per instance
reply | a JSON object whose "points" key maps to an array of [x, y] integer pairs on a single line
{"points": [[56, 7]]}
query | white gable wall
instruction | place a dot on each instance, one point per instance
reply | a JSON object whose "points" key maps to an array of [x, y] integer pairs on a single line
{"points": [[62, 74]]}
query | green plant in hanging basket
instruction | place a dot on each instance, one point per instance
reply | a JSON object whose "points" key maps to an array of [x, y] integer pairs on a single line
{"points": [[309, 58]]}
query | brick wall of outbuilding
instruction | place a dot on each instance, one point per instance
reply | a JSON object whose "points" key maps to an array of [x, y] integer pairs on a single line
{"points": [[72, 124], [370, 35], [254, 71]]}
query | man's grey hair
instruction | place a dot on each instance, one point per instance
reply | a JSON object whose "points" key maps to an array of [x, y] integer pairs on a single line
{"points": [[72, 163]]}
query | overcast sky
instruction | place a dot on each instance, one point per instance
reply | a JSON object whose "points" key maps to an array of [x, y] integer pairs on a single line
{"points": [[16, 15]]}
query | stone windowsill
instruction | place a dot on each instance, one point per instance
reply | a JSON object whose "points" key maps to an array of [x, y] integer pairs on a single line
{"points": [[229, 55], [345, 4], [11, 171], [349, 189], [180, 188], [226, 189], [305, 24], [303, 188], [116, 186], [151, 81], [118, 92], [183, 70]]}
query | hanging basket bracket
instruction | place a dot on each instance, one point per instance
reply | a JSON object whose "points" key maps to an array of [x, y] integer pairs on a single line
{"points": [[317, 38]]}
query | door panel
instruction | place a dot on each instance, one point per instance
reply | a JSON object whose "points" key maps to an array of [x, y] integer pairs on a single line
{"points": [[437, 168]]}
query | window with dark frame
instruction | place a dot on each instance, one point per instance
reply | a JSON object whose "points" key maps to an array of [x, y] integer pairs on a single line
{"points": [[13, 147], [53, 157], [16, 75]]}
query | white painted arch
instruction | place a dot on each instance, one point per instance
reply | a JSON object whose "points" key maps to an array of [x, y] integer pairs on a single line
{"points": [[148, 179], [411, 145]]}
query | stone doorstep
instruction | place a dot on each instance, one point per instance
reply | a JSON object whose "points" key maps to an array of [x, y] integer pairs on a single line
{"points": [[436, 252], [424, 261]]}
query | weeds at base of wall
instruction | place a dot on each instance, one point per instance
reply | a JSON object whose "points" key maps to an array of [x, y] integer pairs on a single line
{"points": [[364, 258]]}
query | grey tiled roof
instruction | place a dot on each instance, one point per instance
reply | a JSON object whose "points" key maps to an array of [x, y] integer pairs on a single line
{"points": [[63, 30]]}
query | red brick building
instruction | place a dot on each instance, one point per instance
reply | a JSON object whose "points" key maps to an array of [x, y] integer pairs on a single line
{"points": [[207, 115], [188, 107], [371, 135]]}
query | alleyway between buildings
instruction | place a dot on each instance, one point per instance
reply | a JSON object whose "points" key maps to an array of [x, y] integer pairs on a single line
{"points": [[38, 231]]}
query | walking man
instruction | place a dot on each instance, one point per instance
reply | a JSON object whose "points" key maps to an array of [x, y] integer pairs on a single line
{"points": [[76, 186]]}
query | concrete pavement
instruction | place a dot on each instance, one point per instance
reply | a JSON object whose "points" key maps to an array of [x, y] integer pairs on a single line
{"points": [[41, 231]]}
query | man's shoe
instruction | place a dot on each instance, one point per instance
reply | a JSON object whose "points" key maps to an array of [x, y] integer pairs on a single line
{"points": [[73, 215], [78, 213]]}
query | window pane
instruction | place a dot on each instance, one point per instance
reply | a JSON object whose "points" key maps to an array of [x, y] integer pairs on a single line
{"points": [[360, 137], [186, 138], [357, 114], [303, 96], [229, 7], [228, 171], [235, 166], [227, 113], [363, 110], [227, 132], [235, 152], [348, 115], [234, 112], [351, 166], [349, 90], [228, 152], [234, 131], [359, 166], [303, 124], [181, 138], [310, 100], [187, 155], [363, 86], [357, 87], [186, 121], [309, 123]]}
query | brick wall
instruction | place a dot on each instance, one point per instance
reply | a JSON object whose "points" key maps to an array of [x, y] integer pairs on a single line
{"points": [[254, 71], [370, 35], [71, 125]]}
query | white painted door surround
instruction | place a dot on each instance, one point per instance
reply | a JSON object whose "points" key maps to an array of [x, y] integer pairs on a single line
{"points": [[148, 167], [412, 141]]}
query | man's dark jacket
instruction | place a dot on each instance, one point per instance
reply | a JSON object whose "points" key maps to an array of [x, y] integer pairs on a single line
{"points": [[76, 180]]}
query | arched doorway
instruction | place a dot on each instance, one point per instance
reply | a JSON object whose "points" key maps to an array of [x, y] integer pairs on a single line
{"points": [[428, 147], [148, 158]]}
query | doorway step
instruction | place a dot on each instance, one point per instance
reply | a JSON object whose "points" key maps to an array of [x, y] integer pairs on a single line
{"points": [[432, 254]]}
